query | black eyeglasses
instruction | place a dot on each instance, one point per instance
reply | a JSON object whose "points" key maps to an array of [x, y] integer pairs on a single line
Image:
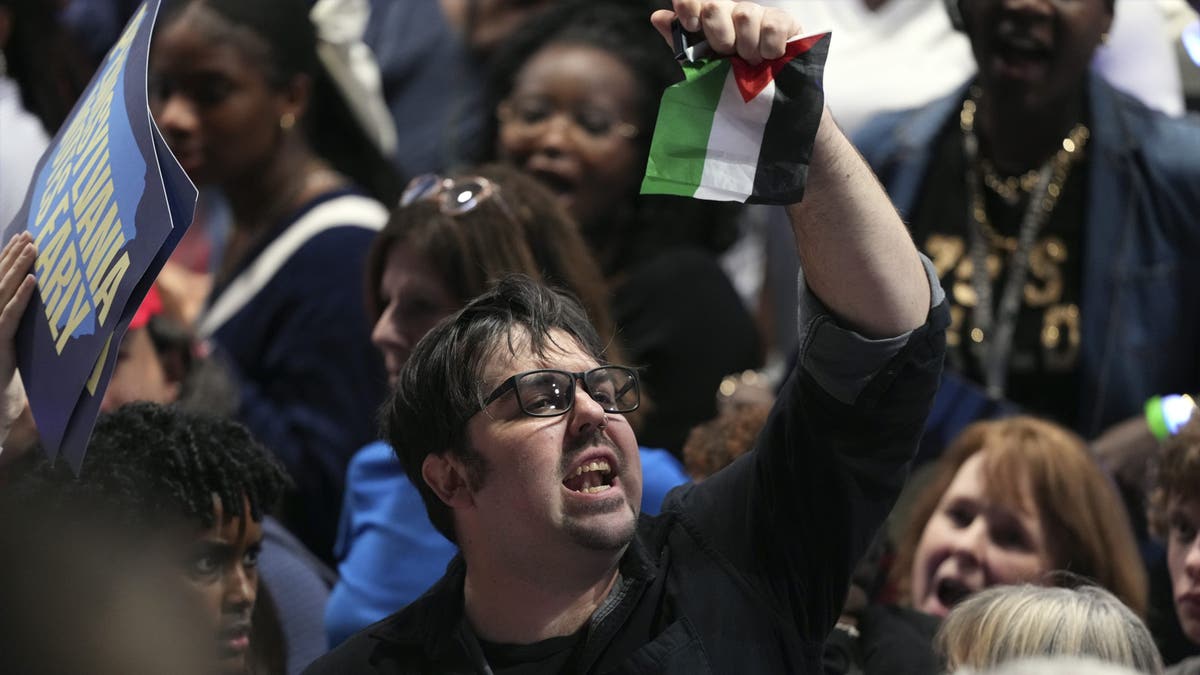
{"points": [[547, 393]]}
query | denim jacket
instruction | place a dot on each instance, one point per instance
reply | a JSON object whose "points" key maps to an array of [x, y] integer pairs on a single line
{"points": [[1140, 333]]}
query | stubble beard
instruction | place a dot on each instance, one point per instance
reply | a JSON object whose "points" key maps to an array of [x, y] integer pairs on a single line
{"points": [[597, 538]]}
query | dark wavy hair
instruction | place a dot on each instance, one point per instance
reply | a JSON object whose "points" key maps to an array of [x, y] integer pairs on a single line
{"points": [[284, 29], [522, 229], [156, 466], [438, 389], [621, 28]]}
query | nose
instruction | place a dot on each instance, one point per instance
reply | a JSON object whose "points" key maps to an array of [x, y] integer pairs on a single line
{"points": [[969, 544], [386, 335], [177, 116], [1191, 562], [586, 414], [241, 589], [555, 135]]}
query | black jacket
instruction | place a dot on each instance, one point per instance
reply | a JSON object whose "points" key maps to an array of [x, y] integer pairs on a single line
{"points": [[746, 571]]}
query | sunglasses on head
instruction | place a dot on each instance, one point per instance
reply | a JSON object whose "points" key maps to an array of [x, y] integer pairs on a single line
{"points": [[454, 196]]}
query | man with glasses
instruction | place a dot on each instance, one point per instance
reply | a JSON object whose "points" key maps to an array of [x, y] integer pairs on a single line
{"points": [[511, 423]]}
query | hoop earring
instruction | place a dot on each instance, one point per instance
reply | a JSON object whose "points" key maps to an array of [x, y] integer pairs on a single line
{"points": [[287, 121]]}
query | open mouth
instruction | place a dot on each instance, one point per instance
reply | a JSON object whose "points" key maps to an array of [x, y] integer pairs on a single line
{"points": [[950, 592], [559, 184], [1022, 56], [234, 640], [590, 477]]}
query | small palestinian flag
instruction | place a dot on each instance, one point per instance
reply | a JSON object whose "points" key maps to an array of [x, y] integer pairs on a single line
{"points": [[736, 132]]}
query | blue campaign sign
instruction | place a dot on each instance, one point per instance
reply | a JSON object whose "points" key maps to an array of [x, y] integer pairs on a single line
{"points": [[107, 205]]}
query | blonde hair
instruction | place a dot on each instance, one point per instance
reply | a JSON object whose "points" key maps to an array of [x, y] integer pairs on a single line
{"points": [[1005, 623], [1057, 665]]}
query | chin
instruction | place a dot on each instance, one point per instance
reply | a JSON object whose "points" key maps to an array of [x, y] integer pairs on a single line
{"points": [[1191, 628], [612, 538]]}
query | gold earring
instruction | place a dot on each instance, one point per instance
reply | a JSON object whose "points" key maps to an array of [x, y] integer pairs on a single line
{"points": [[287, 121], [1104, 38]]}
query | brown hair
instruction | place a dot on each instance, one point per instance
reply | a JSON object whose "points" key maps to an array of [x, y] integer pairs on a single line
{"points": [[713, 445], [1085, 522], [523, 229], [1175, 474]]}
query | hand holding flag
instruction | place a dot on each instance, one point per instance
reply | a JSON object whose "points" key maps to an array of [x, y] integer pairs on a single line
{"points": [[753, 32], [856, 253], [742, 124]]}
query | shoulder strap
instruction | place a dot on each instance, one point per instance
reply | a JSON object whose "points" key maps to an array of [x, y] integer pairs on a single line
{"points": [[344, 211]]}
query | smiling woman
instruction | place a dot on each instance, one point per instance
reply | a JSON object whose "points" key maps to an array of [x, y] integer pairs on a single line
{"points": [[575, 94]]}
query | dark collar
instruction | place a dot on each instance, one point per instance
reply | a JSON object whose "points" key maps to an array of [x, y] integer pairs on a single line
{"points": [[436, 620]]}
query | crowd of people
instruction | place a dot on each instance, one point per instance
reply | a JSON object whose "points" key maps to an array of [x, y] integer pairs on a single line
{"points": [[438, 390]]}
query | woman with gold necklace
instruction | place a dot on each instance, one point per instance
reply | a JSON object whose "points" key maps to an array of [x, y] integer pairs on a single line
{"points": [[1061, 215]]}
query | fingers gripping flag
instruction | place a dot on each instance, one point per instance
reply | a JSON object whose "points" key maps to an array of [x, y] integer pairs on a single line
{"points": [[732, 131]]}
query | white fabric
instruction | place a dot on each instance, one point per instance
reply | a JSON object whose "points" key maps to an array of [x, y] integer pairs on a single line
{"points": [[345, 211], [22, 142], [734, 143], [1140, 57], [901, 56], [351, 64], [907, 54]]}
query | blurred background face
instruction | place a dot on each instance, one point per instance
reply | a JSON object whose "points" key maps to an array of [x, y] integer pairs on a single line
{"points": [[1034, 52], [569, 121], [211, 99], [222, 568], [139, 374], [1183, 561], [972, 542], [413, 298]]}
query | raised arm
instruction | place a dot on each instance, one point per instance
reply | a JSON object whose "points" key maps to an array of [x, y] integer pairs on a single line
{"points": [[794, 515], [857, 256]]}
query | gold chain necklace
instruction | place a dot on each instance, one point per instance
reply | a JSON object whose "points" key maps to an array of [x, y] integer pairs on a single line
{"points": [[992, 335], [1012, 188]]}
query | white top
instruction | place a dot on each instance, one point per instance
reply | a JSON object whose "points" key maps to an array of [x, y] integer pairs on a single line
{"points": [[22, 142], [907, 54]]}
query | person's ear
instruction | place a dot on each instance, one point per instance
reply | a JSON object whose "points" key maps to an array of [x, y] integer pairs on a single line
{"points": [[1108, 23], [295, 97], [447, 477]]}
